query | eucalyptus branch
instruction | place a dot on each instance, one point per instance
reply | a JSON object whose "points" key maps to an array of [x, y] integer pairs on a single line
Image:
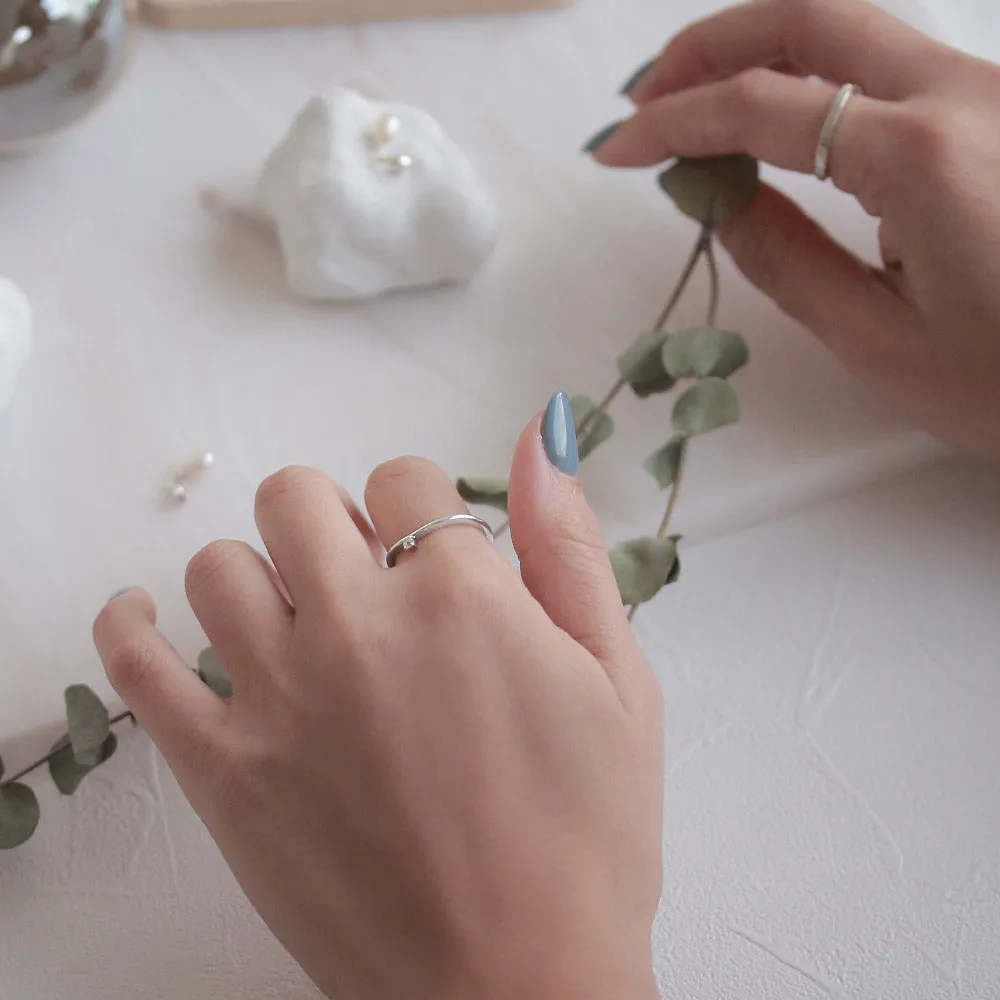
{"points": [[663, 532], [703, 245], [89, 743], [42, 761]]}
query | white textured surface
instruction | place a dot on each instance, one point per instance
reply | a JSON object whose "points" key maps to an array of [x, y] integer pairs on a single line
{"points": [[350, 226], [15, 338], [833, 825]]}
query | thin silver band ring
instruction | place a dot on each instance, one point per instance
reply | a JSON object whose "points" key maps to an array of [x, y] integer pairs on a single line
{"points": [[821, 166], [411, 540]]}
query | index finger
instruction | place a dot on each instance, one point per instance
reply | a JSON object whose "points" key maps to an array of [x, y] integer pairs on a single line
{"points": [[846, 41]]}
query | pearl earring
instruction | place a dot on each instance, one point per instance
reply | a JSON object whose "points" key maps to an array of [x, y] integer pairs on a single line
{"points": [[380, 136], [385, 129], [396, 164], [193, 470]]}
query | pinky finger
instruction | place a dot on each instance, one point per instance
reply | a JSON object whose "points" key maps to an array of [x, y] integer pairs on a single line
{"points": [[164, 694]]}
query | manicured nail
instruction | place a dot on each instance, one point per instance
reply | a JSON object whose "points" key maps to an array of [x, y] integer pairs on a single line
{"points": [[595, 143], [559, 434], [633, 81], [118, 593]]}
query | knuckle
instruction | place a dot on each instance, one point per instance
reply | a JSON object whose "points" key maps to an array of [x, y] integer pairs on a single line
{"points": [[803, 16], [750, 90], [390, 476], [455, 585], [129, 665], [209, 562], [762, 253], [290, 480], [928, 137], [574, 542]]}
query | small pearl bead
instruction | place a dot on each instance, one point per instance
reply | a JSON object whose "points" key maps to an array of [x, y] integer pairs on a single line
{"points": [[396, 164], [179, 492], [384, 131], [207, 460]]}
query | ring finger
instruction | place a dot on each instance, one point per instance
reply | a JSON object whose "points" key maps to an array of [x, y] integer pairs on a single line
{"points": [[405, 494], [769, 115]]}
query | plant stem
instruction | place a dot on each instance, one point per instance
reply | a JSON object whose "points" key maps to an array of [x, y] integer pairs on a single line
{"points": [[704, 241], [664, 530], [703, 245], [713, 278], [44, 760]]}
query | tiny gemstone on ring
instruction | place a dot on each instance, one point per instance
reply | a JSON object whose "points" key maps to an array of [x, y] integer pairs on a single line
{"points": [[409, 543]]}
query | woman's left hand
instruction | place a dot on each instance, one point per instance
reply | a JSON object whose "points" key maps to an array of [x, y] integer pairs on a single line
{"points": [[438, 781]]}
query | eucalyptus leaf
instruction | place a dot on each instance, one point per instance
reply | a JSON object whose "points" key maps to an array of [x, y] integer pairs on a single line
{"points": [[486, 492], [709, 404], [641, 365], [19, 815], [89, 723], [598, 432], [712, 190], [213, 672], [643, 567], [675, 574], [704, 352], [67, 772], [663, 465]]}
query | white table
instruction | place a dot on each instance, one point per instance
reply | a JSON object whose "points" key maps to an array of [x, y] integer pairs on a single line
{"points": [[833, 827]]}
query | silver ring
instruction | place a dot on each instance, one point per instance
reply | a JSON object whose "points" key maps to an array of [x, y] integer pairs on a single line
{"points": [[410, 541], [821, 166]]}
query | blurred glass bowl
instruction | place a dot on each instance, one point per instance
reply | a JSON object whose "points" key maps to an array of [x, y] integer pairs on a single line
{"points": [[58, 59]]}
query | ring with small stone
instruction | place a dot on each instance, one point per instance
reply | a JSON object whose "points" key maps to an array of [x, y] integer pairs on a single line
{"points": [[410, 541]]}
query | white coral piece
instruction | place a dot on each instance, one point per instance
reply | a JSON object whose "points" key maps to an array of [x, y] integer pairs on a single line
{"points": [[351, 226]]}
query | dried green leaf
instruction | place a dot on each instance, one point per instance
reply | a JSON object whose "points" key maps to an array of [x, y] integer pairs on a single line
{"points": [[711, 190], [598, 432], [641, 365], [67, 772], [89, 723], [485, 492], [19, 815], [704, 352], [213, 672], [709, 404], [675, 574], [663, 465], [644, 566]]}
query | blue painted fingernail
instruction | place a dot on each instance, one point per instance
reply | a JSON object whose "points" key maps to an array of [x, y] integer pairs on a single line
{"points": [[596, 141], [633, 81], [559, 435], [118, 593]]}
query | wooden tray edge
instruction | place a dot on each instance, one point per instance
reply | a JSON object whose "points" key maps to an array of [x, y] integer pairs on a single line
{"points": [[310, 13]]}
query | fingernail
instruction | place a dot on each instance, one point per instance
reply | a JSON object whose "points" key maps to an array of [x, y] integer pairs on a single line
{"points": [[117, 594], [559, 435], [633, 81], [595, 143]]}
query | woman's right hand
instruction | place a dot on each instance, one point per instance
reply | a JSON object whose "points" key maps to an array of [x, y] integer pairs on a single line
{"points": [[920, 151]]}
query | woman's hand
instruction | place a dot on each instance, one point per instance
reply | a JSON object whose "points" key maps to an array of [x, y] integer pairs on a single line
{"points": [[435, 781], [920, 151]]}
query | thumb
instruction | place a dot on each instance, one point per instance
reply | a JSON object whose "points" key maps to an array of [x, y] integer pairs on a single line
{"points": [[558, 540], [815, 280]]}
